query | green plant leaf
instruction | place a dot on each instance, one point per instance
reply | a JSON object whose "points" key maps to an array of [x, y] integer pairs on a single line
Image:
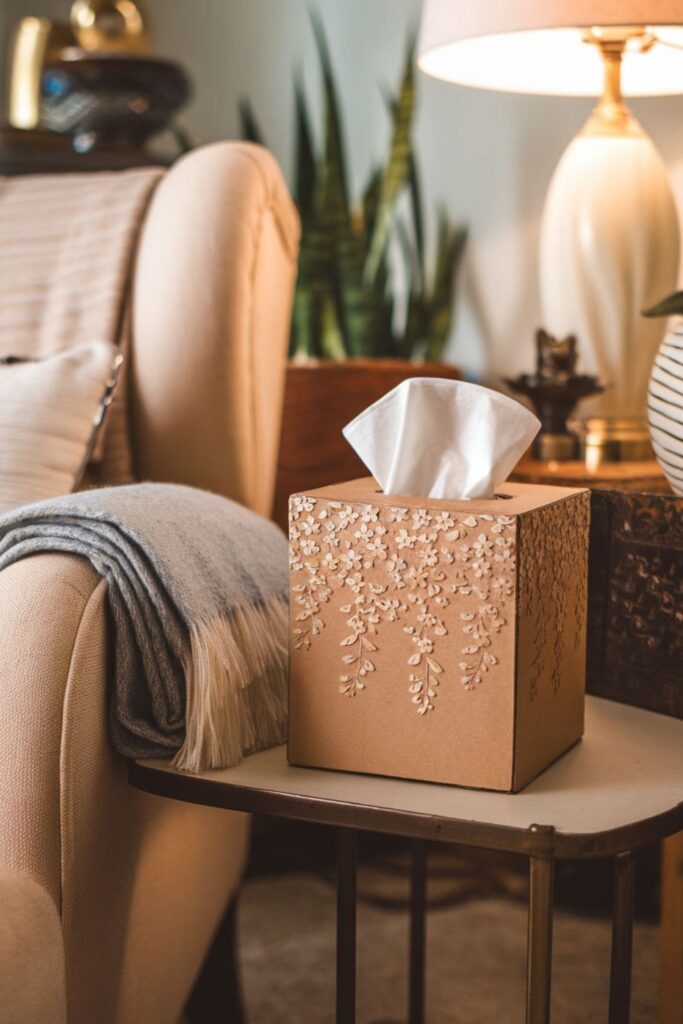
{"points": [[439, 319], [397, 170], [361, 309], [672, 305], [345, 304], [371, 203], [306, 322], [416, 209], [359, 315], [412, 342], [250, 130], [314, 285], [331, 340], [335, 162], [410, 256], [305, 170], [326, 217]]}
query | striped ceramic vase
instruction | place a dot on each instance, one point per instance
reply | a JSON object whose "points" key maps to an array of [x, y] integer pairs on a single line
{"points": [[665, 408]]}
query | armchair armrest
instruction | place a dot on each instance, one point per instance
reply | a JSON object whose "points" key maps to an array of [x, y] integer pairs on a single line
{"points": [[32, 988], [211, 307], [48, 604], [141, 883]]}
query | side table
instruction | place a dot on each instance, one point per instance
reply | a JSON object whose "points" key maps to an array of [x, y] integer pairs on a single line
{"points": [[619, 789]]}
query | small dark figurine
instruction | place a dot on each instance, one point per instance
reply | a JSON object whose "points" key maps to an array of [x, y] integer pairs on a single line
{"points": [[555, 357], [555, 390]]}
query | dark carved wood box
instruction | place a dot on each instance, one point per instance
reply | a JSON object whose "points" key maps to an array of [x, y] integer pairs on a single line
{"points": [[635, 621]]}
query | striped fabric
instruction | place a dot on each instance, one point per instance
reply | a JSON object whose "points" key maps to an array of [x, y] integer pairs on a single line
{"points": [[49, 414], [66, 245], [665, 408]]}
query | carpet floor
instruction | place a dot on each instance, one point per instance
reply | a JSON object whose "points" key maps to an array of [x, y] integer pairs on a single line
{"points": [[476, 960]]}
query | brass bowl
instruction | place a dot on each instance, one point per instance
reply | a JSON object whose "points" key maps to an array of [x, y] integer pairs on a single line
{"points": [[613, 440], [119, 26]]}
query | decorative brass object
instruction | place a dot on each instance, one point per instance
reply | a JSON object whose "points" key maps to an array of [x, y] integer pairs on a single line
{"points": [[35, 41], [555, 390], [612, 116], [111, 26], [97, 26], [613, 440]]}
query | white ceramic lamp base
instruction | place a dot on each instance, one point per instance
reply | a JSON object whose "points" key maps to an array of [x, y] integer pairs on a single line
{"points": [[609, 249]]}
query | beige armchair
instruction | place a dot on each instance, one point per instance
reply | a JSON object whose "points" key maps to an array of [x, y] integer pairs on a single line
{"points": [[141, 884]]}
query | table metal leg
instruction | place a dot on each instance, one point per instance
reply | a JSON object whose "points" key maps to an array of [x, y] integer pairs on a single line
{"points": [[347, 850], [418, 903], [622, 940], [540, 939]]}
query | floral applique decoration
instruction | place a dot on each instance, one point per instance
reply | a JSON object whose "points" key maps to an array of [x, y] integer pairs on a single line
{"points": [[402, 565]]}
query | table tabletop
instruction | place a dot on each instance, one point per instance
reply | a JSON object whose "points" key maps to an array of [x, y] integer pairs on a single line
{"points": [[618, 789]]}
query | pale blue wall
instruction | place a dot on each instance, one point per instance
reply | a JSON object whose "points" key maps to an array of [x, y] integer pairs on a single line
{"points": [[487, 156]]}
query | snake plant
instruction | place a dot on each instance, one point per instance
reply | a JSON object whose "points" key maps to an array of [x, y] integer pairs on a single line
{"points": [[346, 303]]}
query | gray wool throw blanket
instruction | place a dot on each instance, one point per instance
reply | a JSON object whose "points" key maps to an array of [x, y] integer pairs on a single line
{"points": [[197, 588]]}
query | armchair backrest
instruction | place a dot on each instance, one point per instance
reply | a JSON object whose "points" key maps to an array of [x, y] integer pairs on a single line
{"points": [[211, 304]]}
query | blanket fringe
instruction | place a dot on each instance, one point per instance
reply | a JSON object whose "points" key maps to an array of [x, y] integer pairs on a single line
{"points": [[236, 675]]}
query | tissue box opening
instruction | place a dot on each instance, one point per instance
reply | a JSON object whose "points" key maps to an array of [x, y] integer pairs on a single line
{"points": [[437, 640]]}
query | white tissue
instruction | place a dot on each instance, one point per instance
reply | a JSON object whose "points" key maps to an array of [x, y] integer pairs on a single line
{"points": [[442, 439]]}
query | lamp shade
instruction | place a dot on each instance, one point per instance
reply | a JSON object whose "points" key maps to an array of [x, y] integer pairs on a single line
{"points": [[535, 46]]}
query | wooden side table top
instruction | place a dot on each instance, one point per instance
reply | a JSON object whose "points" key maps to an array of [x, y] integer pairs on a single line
{"points": [[43, 152], [622, 476], [620, 788]]}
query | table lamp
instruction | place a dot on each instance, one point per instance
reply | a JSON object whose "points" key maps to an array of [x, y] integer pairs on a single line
{"points": [[609, 235]]}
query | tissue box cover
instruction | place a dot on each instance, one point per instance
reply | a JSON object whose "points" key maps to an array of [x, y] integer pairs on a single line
{"points": [[437, 640]]}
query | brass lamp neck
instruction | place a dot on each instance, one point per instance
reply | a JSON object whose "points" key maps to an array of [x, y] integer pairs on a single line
{"points": [[612, 116], [612, 104]]}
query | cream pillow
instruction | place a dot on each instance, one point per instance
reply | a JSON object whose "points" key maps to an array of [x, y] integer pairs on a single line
{"points": [[50, 413]]}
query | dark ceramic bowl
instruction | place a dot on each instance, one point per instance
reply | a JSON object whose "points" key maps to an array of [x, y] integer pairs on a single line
{"points": [[108, 99]]}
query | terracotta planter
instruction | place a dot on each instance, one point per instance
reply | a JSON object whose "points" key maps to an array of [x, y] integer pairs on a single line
{"points": [[320, 398]]}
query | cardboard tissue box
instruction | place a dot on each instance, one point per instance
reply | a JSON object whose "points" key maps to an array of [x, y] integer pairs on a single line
{"points": [[433, 639]]}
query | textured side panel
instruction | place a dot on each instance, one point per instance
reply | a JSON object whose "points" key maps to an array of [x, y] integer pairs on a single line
{"points": [[635, 627], [551, 633]]}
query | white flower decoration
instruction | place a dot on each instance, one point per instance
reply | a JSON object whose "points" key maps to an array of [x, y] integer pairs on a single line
{"points": [[404, 540], [431, 573], [421, 517], [482, 547], [363, 533], [310, 526], [442, 521], [369, 514], [347, 517]]}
